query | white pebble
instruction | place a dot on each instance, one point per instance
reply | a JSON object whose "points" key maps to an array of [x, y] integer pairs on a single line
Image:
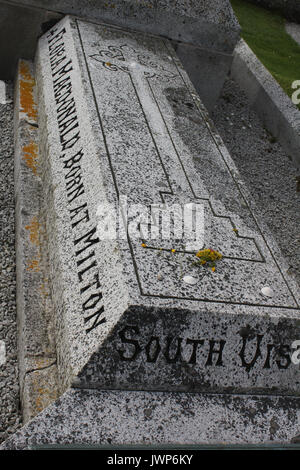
{"points": [[267, 291], [190, 280]]}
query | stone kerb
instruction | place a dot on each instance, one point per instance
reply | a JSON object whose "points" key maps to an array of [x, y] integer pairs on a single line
{"points": [[36, 342]]}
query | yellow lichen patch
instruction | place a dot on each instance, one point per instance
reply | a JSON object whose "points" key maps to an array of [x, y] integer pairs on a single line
{"points": [[26, 91], [30, 152], [34, 229], [209, 257], [33, 265]]}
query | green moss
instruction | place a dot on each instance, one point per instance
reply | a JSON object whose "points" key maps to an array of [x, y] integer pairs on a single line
{"points": [[264, 32]]}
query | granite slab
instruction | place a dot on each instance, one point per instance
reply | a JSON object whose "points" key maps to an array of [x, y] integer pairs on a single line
{"points": [[121, 129]]}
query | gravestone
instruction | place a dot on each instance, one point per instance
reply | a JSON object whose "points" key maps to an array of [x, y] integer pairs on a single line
{"points": [[122, 129], [204, 32]]}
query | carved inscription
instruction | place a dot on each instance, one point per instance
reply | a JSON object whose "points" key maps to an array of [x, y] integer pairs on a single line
{"points": [[71, 156], [172, 349], [150, 69]]}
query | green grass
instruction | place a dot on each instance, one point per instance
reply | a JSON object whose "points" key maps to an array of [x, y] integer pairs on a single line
{"points": [[264, 32]]}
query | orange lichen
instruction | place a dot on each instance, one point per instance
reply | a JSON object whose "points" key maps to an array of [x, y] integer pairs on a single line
{"points": [[33, 266], [26, 91], [30, 152], [44, 398], [24, 71], [43, 392], [34, 228]]}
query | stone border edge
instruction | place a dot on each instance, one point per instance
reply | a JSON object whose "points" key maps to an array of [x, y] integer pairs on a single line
{"points": [[278, 113], [160, 418], [36, 345]]}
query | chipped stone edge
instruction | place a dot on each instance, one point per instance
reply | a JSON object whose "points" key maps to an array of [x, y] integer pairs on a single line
{"points": [[36, 345], [277, 111]]}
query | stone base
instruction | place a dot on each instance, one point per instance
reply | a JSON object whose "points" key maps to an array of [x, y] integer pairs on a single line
{"points": [[276, 110], [94, 417]]}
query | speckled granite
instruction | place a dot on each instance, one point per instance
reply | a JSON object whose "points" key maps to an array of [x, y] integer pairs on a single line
{"points": [[115, 417], [119, 117], [10, 418]]}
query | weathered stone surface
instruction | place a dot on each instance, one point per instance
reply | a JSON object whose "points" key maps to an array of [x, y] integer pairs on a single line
{"points": [[36, 342], [40, 388], [159, 418], [119, 117]]}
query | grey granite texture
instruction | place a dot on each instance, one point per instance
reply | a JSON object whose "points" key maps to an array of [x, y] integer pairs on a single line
{"points": [[277, 111], [266, 168], [36, 342], [115, 103], [9, 396], [116, 417]]}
